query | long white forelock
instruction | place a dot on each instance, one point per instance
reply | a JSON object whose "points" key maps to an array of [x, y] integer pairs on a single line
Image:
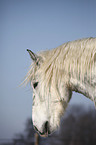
{"points": [[69, 58]]}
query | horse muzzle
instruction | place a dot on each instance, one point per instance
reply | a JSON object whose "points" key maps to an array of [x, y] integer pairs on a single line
{"points": [[46, 130]]}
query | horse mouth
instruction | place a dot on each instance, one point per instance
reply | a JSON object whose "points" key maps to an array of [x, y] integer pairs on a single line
{"points": [[43, 134], [46, 131]]}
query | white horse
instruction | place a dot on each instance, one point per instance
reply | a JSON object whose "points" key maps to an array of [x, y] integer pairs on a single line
{"points": [[54, 74]]}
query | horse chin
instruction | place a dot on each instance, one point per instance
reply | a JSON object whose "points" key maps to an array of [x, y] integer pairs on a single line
{"points": [[44, 135], [47, 134]]}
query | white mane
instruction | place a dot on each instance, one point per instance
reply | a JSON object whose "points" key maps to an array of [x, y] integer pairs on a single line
{"points": [[73, 58]]}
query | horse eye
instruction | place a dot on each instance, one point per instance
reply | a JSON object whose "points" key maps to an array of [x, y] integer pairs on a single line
{"points": [[35, 84]]}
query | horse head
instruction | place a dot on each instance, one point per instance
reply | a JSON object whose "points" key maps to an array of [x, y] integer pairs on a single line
{"points": [[50, 97]]}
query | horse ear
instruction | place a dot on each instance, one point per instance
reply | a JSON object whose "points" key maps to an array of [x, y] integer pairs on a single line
{"points": [[34, 57]]}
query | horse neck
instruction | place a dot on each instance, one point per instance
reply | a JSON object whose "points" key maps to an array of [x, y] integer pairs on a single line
{"points": [[83, 87]]}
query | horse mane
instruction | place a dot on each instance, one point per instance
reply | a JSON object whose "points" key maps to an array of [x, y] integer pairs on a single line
{"points": [[72, 58]]}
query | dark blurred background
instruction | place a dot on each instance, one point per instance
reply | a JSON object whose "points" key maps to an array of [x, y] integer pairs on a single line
{"points": [[78, 127], [38, 25]]}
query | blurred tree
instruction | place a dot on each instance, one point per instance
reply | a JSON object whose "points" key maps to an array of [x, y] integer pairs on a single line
{"points": [[26, 138], [78, 127], [29, 130]]}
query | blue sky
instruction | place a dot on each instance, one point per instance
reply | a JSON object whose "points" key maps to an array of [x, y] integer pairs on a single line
{"points": [[38, 25]]}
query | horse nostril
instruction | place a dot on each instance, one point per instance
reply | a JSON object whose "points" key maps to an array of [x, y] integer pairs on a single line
{"points": [[46, 127]]}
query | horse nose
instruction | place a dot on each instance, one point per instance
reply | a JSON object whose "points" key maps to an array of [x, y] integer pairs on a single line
{"points": [[46, 127]]}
